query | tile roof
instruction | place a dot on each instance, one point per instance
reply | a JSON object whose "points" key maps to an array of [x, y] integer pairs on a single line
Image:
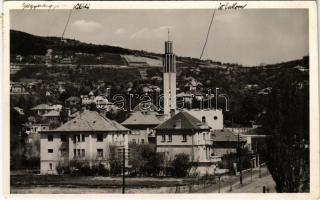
{"points": [[137, 118], [42, 107], [188, 122], [225, 135], [52, 113], [90, 121]]}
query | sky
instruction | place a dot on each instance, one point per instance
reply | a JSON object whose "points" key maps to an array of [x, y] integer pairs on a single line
{"points": [[248, 37]]}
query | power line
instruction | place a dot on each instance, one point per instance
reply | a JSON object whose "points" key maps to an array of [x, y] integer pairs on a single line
{"points": [[205, 43], [65, 27]]}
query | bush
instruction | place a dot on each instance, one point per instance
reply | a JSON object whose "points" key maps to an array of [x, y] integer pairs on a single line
{"points": [[181, 165], [100, 170]]}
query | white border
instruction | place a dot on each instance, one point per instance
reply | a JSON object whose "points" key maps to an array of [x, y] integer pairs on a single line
{"points": [[314, 94]]}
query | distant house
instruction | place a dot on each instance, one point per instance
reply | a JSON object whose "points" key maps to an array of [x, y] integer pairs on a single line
{"points": [[226, 142], [73, 101], [88, 137], [86, 99], [184, 133], [53, 115], [185, 97], [19, 110], [42, 109], [141, 126], [193, 85], [156, 78], [17, 88], [302, 69]]}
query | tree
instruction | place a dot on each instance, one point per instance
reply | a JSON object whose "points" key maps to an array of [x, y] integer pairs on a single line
{"points": [[287, 121], [181, 165]]}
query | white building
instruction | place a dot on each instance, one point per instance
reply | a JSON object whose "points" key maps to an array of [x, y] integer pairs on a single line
{"points": [[86, 138]]}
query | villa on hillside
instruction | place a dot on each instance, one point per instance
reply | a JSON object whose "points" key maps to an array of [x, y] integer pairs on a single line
{"points": [[86, 138]]}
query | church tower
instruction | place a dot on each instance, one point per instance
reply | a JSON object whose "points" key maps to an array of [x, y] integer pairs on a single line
{"points": [[169, 80]]}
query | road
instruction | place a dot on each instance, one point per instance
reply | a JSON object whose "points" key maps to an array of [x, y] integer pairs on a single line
{"points": [[248, 186]]}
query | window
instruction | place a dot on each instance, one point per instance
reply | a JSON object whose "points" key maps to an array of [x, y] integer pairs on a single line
{"points": [[163, 138], [215, 117], [83, 152], [184, 138], [50, 138], [50, 166], [134, 141], [204, 136], [50, 150], [78, 151], [100, 153], [78, 138], [63, 138], [203, 119], [74, 139], [170, 138], [99, 138], [83, 138], [74, 152], [142, 141]]}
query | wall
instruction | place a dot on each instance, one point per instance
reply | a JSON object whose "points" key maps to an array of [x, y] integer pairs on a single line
{"points": [[90, 145], [214, 118]]}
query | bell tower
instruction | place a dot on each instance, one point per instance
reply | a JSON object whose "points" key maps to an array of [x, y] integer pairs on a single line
{"points": [[169, 79]]}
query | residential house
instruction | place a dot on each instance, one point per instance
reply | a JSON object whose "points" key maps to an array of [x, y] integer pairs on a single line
{"points": [[184, 133], [226, 142], [73, 101], [17, 88], [141, 125], [88, 138], [53, 115], [42, 109]]}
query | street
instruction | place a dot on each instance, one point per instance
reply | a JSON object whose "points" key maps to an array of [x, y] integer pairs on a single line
{"points": [[248, 186]]}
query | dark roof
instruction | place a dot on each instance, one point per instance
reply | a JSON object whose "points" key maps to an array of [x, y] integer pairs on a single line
{"points": [[73, 98], [137, 118], [90, 121], [188, 122], [222, 135]]}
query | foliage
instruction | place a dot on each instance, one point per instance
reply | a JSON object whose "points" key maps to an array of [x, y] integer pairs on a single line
{"points": [[115, 161], [287, 121], [83, 168], [144, 159], [181, 165]]}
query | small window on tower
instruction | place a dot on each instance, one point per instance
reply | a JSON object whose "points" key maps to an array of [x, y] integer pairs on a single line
{"points": [[203, 119], [215, 117]]}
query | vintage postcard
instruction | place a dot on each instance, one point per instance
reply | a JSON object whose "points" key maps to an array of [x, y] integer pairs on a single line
{"points": [[123, 99]]}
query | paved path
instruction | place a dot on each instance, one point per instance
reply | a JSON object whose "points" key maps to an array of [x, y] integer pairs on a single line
{"points": [[248, 186]]}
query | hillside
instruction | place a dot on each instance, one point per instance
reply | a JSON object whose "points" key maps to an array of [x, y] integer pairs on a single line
{"points": [[26, 44], [246, 87]]}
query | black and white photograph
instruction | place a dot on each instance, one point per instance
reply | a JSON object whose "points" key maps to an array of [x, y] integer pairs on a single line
{"points": [[213, 99]]}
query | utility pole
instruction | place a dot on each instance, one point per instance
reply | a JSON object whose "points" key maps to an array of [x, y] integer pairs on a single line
{"points": [[123, 170], [239, 158]]}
